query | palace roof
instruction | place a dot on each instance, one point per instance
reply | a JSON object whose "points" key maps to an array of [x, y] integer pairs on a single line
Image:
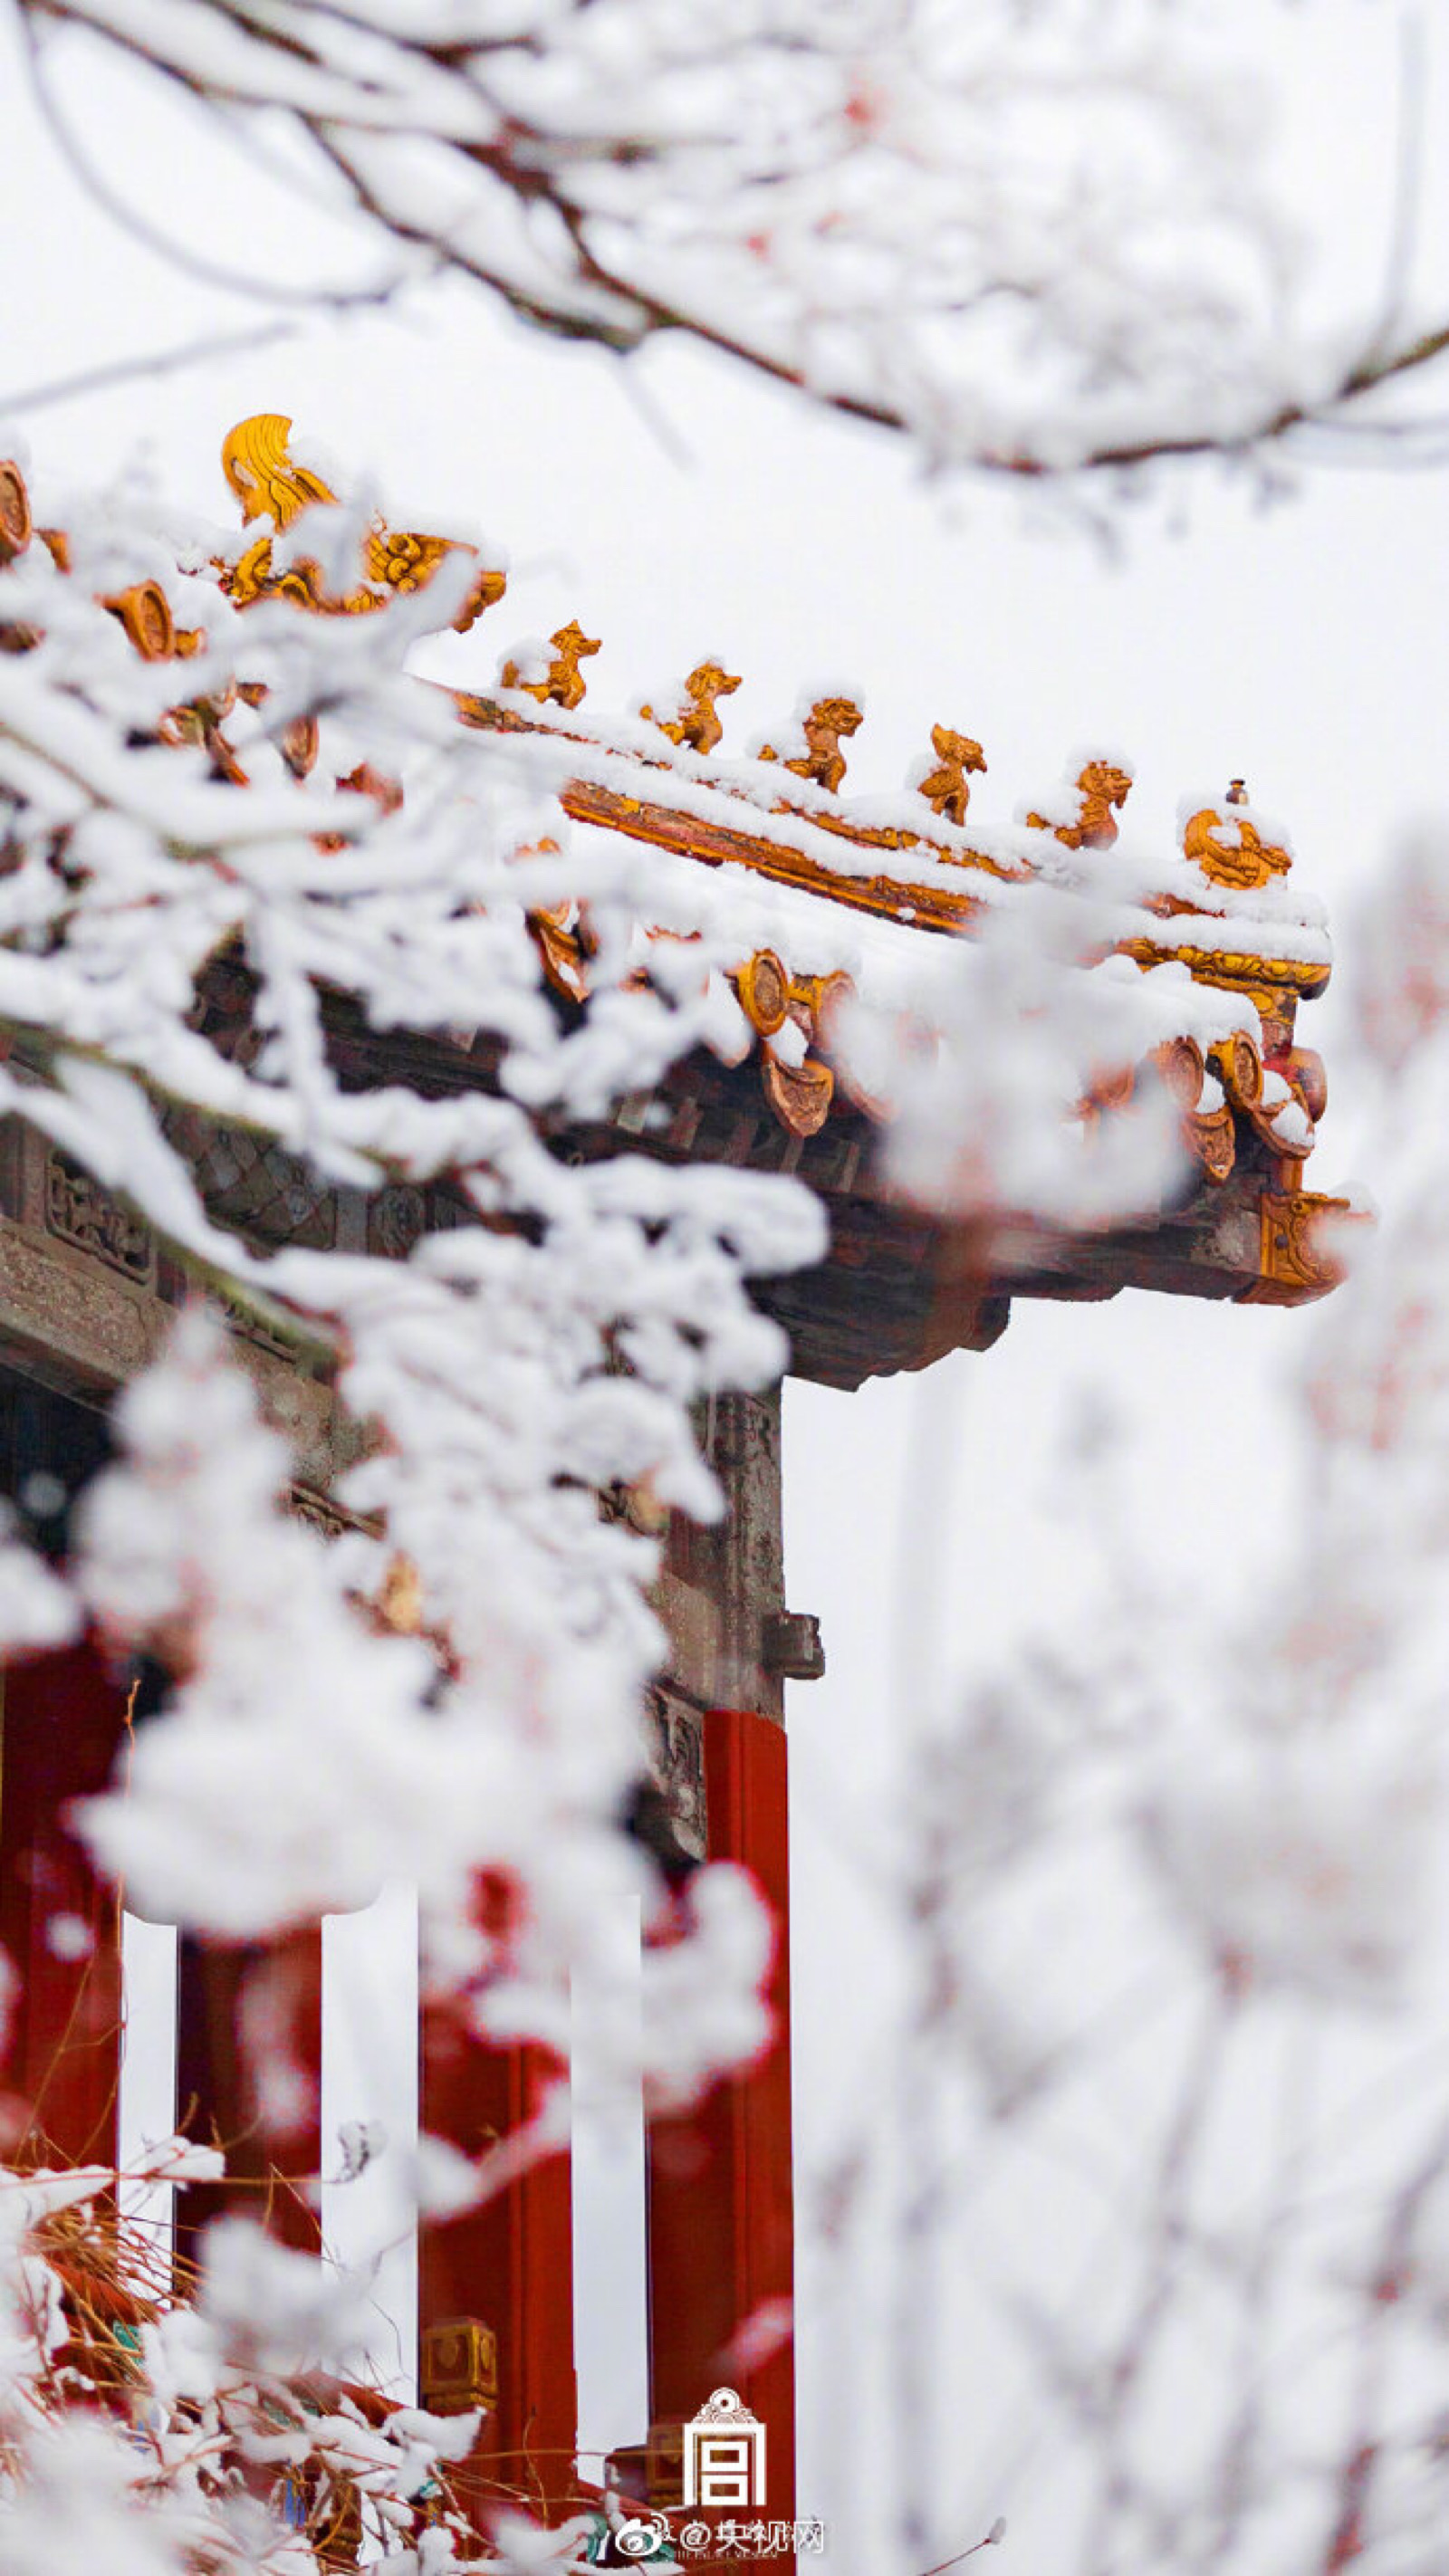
{"points": [[843, 919]]}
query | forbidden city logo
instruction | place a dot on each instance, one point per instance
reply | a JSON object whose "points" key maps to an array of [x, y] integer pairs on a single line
{"points": [[724, 2477], [724, 2454]]}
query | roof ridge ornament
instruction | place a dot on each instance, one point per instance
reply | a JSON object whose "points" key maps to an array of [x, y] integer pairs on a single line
{"points": [[562, 682], [1231, 848], [269, 482], [1247, 1097], [830, 721], [695, 725], [1101, 786], [258, 464], [947, 787]]}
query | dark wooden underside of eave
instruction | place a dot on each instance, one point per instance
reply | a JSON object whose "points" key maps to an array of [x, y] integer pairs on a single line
{"points": [[900, 1287]]}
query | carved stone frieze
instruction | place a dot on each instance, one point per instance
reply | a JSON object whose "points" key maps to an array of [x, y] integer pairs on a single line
{"points": [[674, 1752], [80, 1212]]}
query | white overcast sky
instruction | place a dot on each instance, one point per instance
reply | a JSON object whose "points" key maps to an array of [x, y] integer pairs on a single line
{"points": [[677, 508]]}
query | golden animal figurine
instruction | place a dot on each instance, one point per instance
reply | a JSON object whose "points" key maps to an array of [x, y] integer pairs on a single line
{"points": [[947, 790], [1100, 787], [1233, 852], [695, 723], [822, 759], [563, 682], [269, 484]]}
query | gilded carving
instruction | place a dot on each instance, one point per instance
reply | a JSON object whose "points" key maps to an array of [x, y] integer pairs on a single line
{"points": [[1227, 844], [1239, 1068], [269, 483], [1273, 985], [1231, 849], [1296, 1263], [1102, 789], [563, 683], [947, 787], [830, 721], [258, 465], [694, 723]]}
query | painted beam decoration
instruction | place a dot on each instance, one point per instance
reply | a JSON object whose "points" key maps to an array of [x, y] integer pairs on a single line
{"points": [[836, 900]]}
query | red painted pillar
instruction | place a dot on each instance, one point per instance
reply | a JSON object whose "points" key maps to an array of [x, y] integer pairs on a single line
{"points": [[249, 2080], [59, 1922], [504, 2270], [721, 2200]]}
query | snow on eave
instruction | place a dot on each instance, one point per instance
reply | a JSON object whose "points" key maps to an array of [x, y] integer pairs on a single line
{"points": [[985, 866]]}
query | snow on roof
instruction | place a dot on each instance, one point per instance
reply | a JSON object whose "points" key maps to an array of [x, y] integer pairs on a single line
{"points": [[1205, 952], [828, 918]]}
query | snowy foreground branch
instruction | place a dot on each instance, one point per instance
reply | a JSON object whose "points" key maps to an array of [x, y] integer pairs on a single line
{"points": [[196, 939], [1036, 240], [512, 1370]]}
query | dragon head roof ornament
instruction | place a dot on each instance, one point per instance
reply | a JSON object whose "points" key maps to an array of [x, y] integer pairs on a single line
{"points": [[257, 461]]}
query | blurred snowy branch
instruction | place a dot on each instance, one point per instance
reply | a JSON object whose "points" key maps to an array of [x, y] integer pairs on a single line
{"points": [[1036, 240], [1167, 2168]]}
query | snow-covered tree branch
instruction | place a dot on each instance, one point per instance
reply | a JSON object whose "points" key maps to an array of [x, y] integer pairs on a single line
{"points": [[1034, 240]]}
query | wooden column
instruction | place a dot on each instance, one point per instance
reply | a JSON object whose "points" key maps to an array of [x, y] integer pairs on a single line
{"points": [[721, 2210], [59, 1922], [496, 2283]]}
